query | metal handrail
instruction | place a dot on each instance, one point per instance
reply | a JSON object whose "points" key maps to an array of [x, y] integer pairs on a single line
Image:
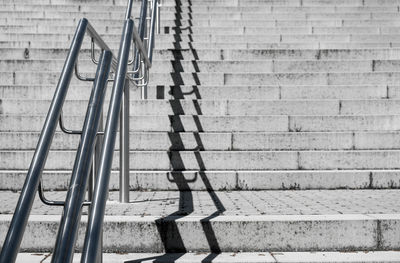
{"points": [[139, 43], [119, 103], [141, 65], [20, 218], [119, 106], [96, 38], [94, 227], [68, 229]]}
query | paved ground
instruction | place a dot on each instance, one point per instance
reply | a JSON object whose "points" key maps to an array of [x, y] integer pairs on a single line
{"points": [[202, 203]]}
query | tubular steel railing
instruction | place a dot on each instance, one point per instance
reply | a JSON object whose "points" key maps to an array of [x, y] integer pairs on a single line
{"points": [[118, 104], [96, 148]]}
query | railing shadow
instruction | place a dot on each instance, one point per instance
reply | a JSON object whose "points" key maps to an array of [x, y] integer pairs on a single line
{"points": [[167, 226]]}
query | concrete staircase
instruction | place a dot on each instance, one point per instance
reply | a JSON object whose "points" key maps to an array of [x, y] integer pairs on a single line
{"points": [[271, 129]]}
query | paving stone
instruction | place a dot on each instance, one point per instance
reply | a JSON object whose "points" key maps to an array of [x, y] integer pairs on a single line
{"points": [[233, 203]]}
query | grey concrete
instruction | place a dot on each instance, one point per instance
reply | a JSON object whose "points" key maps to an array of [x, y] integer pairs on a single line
{"points": [[225, 180], [360, 219], [251, 104]]}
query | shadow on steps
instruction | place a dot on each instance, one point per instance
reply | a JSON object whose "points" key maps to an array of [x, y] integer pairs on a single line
{"points": [[167, 226]]}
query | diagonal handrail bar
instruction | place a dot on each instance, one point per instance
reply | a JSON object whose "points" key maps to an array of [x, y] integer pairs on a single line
{"points": [[140, 46], [19, 221], [68, 229], [100, 42], [141, 31]]}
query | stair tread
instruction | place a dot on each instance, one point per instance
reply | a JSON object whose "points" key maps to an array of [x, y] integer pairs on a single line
{"points": [[266, 205]]}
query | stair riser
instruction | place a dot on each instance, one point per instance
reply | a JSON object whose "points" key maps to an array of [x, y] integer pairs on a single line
{"points": [[235, 3], [224, 141], [312, 79], [229, 235], [285, 39], [223, 181], [219, 92], [227, 123], [217, 160], [188, 45], [184, 7], [248, 23], [269, 66], [115, 29], [209, 15], [217, 55], [218, 79], [217, 108]]}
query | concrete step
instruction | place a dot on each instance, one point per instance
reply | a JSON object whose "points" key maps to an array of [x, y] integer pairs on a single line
{"points": [[285, 3], [234, 257], [375, 78], [336, 220], [338, 92], [238, 30], [215, 38], [195, 7], [251, 22], [247, 92], [105, 21], [164, 2], [277, 66], [161, 92], [206, 45], [162, 45], [233, 123], [52, 78], [279, 92], [224, 160], [230, 79], [243, 141], [63, 2], [267, 66], [217, 14], [218, 108], [225, 54], [204, 123], [342, 39], [220, 14], [227, 180]]}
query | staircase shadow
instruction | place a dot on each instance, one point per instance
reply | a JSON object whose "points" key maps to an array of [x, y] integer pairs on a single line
{"points": [[167, 226]]}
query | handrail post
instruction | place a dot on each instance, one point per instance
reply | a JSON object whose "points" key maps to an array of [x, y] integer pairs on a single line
{"points": [[124, 116], [124, 147], [158, 21], [144, 87]]}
